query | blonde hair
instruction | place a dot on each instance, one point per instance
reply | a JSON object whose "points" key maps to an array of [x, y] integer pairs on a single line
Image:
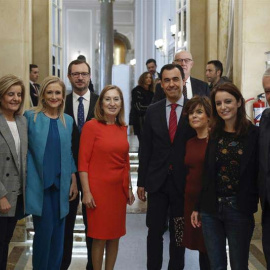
{"points": [[99, 112], [5, 83], [41, 107]]}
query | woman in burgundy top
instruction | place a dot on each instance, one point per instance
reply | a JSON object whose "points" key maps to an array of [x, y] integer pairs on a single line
{"points": [[199, 112]]}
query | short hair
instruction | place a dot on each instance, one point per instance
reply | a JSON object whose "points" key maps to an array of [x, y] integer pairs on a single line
{"points": [[218, 65], [203, 101], [5, 83], [267, 73], [32, 66], [99, 112], [151, 60], [78, 62], [170, 67], [41, 106], [142, 80], [218, 124], [81, 57]]}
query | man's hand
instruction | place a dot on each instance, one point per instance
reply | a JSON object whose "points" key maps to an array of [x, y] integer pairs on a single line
{"points": [[141, 193]]}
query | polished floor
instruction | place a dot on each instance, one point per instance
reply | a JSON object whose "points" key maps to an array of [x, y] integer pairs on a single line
{"points": [[132, 249]]}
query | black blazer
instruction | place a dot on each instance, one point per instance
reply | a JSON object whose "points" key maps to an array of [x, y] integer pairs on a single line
{"points": [[33, 96], [75, 132], [247, 196], [198, 88], [158, 153], [264, 156]]}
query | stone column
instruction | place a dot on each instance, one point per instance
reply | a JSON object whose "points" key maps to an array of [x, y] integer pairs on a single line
{"points": [[106, 42]]}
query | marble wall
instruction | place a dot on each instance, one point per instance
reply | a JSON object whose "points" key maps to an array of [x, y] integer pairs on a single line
{"points": [[15, 32]]}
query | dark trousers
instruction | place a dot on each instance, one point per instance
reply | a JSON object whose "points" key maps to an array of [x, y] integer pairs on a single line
{"points": [[266, 233], [157, 211], [229, 223], [69, 227], [204, 261], [7, 225]]}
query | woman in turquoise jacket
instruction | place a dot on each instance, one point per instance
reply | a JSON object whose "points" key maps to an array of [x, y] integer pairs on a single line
{"points": [[50, 182]]}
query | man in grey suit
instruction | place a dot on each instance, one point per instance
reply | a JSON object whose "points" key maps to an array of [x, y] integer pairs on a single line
{"points": [[81, 102], [264, 168]]}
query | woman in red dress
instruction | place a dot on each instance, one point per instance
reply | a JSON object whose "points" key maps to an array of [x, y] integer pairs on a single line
{"points": [[199, 112], [104, 174]]}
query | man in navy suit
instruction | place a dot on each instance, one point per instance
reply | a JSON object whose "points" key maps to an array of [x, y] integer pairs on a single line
{"points": [[161, 168], [193, 86], [79, 74], [264, 176]]}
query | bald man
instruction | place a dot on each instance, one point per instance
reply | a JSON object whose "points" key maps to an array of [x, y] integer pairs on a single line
{"points": [[193, 86]]}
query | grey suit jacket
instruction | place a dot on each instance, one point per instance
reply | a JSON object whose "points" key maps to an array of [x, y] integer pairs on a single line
{"points": [[12, 174]]}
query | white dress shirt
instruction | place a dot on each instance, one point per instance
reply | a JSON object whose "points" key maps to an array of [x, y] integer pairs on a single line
{"points": [[189, 88], [178, 109], [86, 104]]}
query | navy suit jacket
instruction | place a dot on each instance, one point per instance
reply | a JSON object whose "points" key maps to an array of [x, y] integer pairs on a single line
{"points": [[264, 158], [157, 152]]}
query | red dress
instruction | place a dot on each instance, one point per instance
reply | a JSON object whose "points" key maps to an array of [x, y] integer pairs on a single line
{"points": [[194, 160], [104, 155]]}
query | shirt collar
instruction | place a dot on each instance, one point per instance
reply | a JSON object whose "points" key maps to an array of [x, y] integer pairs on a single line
{"points": [[180, 102], [86, 96], [188, 80]]}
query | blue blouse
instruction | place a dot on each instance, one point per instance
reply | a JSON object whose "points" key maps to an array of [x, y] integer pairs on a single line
{"points": [[52, 157]]}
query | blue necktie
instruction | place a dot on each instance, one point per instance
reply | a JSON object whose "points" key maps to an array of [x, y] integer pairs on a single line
{"points": [[80, 114]]}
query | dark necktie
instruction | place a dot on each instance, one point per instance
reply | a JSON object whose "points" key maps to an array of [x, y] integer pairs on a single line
{"points": [[185, 91], [80, 114], [172, 121]]}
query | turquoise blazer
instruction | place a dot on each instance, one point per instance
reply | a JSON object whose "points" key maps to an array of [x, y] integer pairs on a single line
{"points": [[37, 139]]}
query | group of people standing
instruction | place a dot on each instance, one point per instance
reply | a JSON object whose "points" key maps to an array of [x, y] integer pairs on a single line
{"points": [[198, 164], [61, 155]]}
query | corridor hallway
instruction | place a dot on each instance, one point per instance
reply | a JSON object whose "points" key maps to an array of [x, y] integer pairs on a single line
{"points": [[132, 248]]}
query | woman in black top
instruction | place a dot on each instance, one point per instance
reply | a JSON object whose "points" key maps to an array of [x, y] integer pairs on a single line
{"points": [[229, 195], [142, 96]]}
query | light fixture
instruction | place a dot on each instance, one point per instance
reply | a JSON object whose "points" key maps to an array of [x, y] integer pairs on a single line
{"points": [[173, 29], [132, 62], [159, 43]]}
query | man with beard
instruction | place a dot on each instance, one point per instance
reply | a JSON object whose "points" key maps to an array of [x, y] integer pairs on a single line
{"points": [[79, 105]]}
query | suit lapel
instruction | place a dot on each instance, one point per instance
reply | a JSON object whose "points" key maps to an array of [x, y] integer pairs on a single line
{"points": [[69, 105], [91, 106], [163, 118], [6, 133]]}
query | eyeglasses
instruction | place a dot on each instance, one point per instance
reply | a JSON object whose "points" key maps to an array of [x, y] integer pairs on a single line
{"points": [[186, 60], [77, 74]]}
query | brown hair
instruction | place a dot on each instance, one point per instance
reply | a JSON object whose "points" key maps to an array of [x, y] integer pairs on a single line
{"points": [[198, 100], [142, 79], [99, 112], [41, 107], [78, 62], [6, 82], [218, 124]]}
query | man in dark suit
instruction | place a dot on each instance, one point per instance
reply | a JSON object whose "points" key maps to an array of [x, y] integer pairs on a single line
{"points": [[193, 86], [34, 86], [264, 176], [80, 105], [161, 168], [151, 66]]}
